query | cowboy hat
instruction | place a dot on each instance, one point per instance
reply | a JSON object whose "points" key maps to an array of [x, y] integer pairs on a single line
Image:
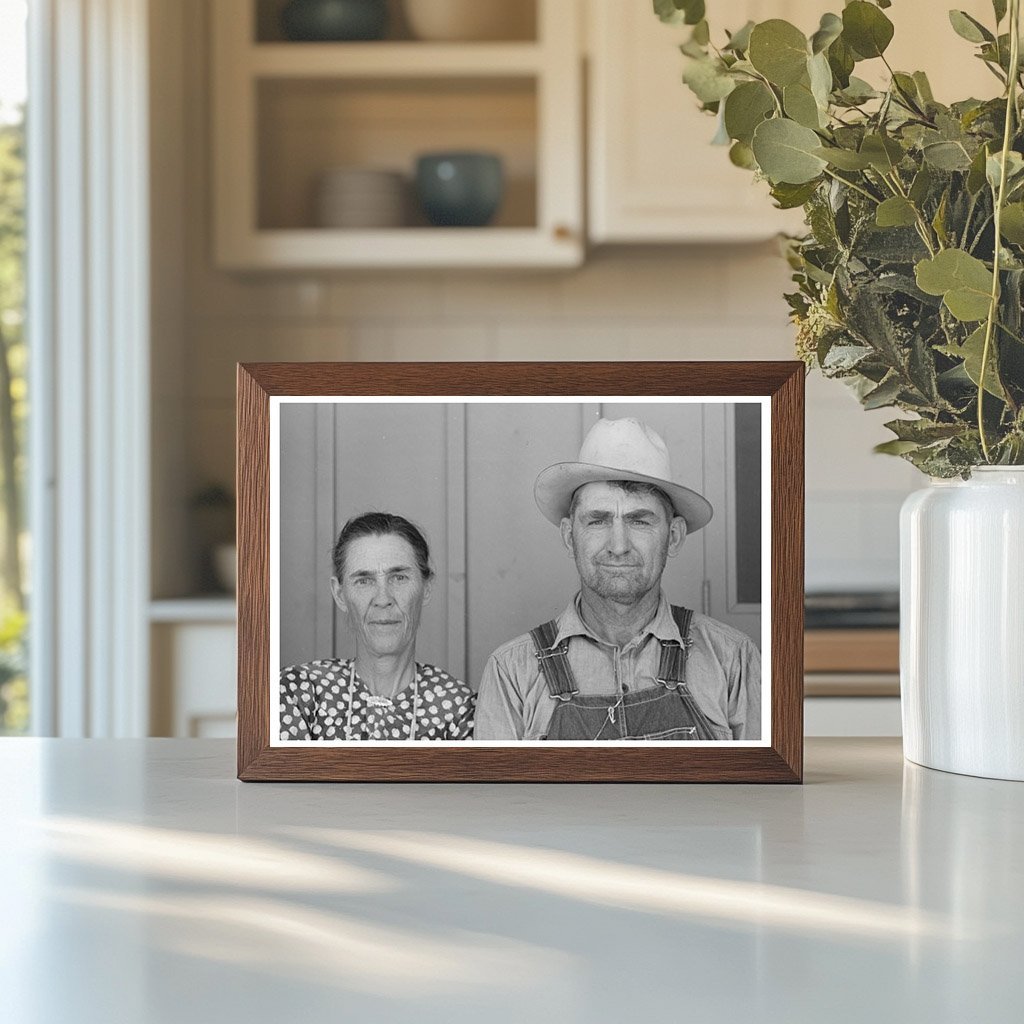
{"points": [[623, 449]]}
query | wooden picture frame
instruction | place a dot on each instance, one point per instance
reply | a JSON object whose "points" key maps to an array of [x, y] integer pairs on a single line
{"points": [[777, 758]]}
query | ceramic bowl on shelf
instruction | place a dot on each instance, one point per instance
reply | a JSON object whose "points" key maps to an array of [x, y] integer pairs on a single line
{"points": [[469, 20], [361, 198], [460, 189], [334, 20]]}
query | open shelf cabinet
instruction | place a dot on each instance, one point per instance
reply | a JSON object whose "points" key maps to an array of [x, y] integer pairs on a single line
{"points": [[285, 113]]}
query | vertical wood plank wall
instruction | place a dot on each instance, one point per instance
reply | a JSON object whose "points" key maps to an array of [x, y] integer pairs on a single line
{"points": [[464, 474]]}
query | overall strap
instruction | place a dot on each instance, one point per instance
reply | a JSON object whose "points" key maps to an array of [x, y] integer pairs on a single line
{"points": [[672, 668], [672, 671], [554, 661]]}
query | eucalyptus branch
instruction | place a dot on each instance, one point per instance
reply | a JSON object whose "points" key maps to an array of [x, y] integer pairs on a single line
{"points": [[993, 308], [771, 89], [853, 185], [969, 217], [923, 227], [977, 238]]}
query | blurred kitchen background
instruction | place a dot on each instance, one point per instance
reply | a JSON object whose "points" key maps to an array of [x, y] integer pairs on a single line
{"points": [[283, 213]]}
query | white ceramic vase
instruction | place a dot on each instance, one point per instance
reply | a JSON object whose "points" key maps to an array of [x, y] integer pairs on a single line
{"points": [[962, 624]]}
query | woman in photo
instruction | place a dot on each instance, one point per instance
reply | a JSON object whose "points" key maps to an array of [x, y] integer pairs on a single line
{"points": [[381, 581]]}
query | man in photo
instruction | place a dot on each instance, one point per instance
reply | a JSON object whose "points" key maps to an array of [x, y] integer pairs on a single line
{"points": [[621, 663]]}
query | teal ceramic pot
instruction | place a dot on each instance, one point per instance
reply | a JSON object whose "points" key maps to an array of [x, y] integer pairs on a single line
{"points": [[334, 20], [460, 189]]}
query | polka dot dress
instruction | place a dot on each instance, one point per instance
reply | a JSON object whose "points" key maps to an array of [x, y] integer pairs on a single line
{"points": [[315, 705]]}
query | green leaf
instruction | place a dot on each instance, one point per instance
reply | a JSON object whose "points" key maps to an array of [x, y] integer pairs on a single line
{"points": [[694, 11], [866, 29], [789, 197], [896, 212], [745, 108], [939, 220], [707, 80], [858, 91], [946, 156], [924, 88], [778, 50], [971, 352], [963, 281], [676, 12], [844, 159], [921, 185], [691, 48], [668, 12], [742, 155], [841, 60], [923, 431], [721, 136], [976, 174], [968, 28], [820, 76], [785, 152], [885, 394], [994, 167], [739, 41], [895, 447], [830, 28], [800, 105], [906, 89], [1011, 226], [883, 153]]}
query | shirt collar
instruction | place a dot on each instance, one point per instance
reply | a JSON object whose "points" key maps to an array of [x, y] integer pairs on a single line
{"points": [[661, 627]]}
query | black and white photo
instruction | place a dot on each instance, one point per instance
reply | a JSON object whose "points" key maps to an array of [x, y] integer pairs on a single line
{"points": [[494, 571]]}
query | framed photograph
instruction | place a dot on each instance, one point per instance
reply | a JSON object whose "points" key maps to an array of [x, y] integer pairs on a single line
{"points": [[514, 572]]}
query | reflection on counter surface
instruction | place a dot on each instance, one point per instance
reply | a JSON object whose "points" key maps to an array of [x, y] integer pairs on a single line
{"points": [[169, 892]]}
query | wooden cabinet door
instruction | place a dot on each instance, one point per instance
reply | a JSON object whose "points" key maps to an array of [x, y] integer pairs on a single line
{"points": [[653, 174]]}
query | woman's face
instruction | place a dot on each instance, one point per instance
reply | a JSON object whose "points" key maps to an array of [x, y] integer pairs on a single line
{"points": [[382, 592]]}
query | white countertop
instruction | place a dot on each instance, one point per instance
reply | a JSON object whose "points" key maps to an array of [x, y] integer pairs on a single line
{"points": [[144, 885]]}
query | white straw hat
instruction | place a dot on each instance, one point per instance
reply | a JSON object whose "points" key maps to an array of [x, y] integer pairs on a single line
{"points": [[623, 449]]}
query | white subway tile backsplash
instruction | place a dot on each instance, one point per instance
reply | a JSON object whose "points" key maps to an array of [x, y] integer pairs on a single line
{"points": [[755, 281], [242, 297], [579, 341], [505, 297], [646, 285], [214, 347], [413, 296], [455, 341]]}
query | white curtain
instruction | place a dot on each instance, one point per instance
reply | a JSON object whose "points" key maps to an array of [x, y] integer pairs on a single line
{"points": [[88, 317]]}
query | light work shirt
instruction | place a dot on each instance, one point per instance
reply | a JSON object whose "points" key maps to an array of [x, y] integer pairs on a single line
{"points": [[723, 674]]}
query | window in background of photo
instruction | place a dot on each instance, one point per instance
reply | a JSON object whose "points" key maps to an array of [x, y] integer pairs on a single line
{"points": [[14, 538]]}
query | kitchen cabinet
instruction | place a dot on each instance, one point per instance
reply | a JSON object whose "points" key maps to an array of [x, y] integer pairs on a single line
{"points": [[286, 113], [653, 175], [193, 673]]}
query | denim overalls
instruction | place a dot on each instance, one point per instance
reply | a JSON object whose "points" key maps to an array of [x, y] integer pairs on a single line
{"points": [[666, 711]]}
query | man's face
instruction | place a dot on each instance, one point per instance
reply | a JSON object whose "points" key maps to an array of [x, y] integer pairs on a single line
{"points": [[382, 592], [620, 541]]}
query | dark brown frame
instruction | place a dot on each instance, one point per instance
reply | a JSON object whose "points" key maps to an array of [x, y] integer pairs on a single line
{"points": [[780, 762]]}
